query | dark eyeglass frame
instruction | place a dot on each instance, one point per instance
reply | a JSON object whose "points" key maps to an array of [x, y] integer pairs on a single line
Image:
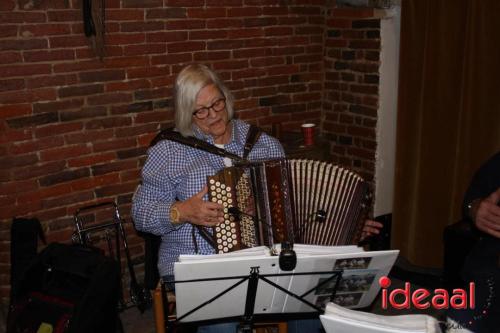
{"points": [[203, 112]]}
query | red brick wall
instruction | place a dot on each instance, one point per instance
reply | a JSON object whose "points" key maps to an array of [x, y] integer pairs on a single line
{"points": [[74, 130], [352, 48]]}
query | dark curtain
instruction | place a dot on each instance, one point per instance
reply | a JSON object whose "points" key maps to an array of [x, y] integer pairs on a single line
{"points": [[448, 116]]}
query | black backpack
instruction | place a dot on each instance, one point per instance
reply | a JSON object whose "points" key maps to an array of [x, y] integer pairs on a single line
{"points": [[67, 288]]}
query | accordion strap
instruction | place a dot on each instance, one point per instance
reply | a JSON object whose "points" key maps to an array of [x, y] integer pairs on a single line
{"points": [[253, 135]]}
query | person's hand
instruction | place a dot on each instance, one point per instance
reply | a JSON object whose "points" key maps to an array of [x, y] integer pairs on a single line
{"points": [[486, 214], [197, 211], [370, 228]]}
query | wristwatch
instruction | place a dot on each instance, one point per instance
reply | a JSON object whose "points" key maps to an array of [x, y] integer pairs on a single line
{"points": [[175, 215]]}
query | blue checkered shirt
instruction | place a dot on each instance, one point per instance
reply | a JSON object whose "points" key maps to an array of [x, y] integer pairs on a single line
{"points": [[173, 170]]}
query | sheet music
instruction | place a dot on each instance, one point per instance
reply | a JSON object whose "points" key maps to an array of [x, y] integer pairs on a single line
{"points": [[358, 287]]}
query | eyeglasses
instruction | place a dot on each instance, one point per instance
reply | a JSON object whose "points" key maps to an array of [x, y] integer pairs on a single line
{"points": [[217, 106]]}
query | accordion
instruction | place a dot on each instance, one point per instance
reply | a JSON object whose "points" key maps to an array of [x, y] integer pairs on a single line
{"points": [[287, 200]]}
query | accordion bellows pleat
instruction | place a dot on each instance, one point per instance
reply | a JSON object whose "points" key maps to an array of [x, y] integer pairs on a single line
{"points": [[296, 200]]}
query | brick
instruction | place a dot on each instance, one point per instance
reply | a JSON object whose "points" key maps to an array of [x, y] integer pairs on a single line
{"points": [[125, 14], [142, 3], [353, 12], [275, 11], [73, 91], [260, 42], [132, 50], [207, 34], [41, 56], [67, 199], [17, 161], [89, 136], [166, 13], [8, 111], [182, 47], [150, 94], [125, 39], [132, 108], [113, 145], [141, 26], [147, 72], [23, 44], [33, 120], [136, 130], [102, 76], [131, 153], [231, 64], [244, 11], [64, 152], [124, 62], [12, 84], [35, 145], [166, 36], [365, 44], [177, 58], [128, 175], [215, 55], [10, 57], [83, 113], [364, 67], [278, 31], [222, 23], [109, 122], [37, 170], [56, 129], [7, 5], [185, 3], [231, 3], [289, 108], [102, 169], [112, 190], [225, 45], [8, 31], [44, 30], [63, 177], [339, 23], [78, 66], [51, 81], [152, 117], [96, 181], [246, 33], [68, 41], [57, 106], [22, 17], [363, 110], [275, 100], [210, 12], [184, 24], [64, 15], [363, 24], [109, 98], [91, 160], [24, 70], [127, 85]]}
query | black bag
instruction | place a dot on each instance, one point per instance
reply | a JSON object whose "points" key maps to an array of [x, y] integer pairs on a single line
{"points": [[71, 288]]}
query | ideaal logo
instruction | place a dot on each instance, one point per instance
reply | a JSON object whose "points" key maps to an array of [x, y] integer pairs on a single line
{"points": [[422, 298]]}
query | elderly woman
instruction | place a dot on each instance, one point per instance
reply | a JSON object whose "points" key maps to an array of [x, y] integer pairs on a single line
{"points": [[171, 201]]}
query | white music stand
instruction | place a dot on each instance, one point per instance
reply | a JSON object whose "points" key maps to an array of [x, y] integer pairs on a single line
{"points": [[240, 288]]}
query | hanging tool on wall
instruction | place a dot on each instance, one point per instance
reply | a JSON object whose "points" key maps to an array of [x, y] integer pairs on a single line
{"points": [[93, 24]]}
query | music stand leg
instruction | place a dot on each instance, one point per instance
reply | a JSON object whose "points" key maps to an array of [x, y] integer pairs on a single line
{"points": [[246, 325]]}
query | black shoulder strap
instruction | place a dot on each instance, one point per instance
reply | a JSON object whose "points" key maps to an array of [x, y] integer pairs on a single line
{"points": [[253, 135]]}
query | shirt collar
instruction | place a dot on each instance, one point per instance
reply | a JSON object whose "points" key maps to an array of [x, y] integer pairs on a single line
{"points": [[236, 133]]}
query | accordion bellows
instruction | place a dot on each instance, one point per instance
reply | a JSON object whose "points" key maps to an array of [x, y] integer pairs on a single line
{"points": [[301, 201]]}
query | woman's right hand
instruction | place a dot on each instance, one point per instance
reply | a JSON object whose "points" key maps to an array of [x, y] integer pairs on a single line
{"points": [[197, 211]]}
